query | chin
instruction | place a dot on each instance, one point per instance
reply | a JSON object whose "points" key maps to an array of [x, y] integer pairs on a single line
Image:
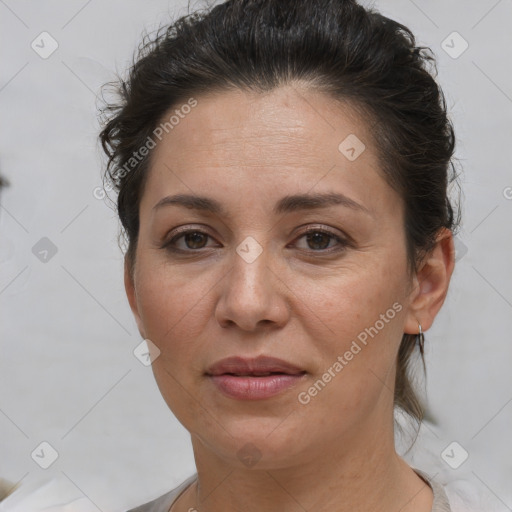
{"points": [[257, 443]]}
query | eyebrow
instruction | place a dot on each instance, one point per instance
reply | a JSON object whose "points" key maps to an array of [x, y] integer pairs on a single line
{"points": [[286, 204]]}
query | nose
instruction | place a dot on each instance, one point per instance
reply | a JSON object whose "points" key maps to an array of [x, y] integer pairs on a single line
{"points": [[253, 295]]}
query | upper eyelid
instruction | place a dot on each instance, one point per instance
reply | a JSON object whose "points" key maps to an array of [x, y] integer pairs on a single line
{"points": [[309, 226]]}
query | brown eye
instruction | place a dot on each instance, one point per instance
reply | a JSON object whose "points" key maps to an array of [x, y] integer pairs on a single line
{"points": [[191, 239], [319, 240], [195, 239]]}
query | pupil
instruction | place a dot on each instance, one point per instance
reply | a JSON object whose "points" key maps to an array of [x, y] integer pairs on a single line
{"points": [[193, 238], [316, 238]]}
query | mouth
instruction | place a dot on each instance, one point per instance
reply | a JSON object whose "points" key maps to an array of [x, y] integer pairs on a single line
{"points": [[260, 374], [254, 379], [261, 366]]}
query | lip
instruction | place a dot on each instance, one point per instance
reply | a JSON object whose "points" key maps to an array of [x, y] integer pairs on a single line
{"points": [[244, 379], [253, 366]]}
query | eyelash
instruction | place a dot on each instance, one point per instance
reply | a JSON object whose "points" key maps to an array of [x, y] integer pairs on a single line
{"points": [[342, 242]]}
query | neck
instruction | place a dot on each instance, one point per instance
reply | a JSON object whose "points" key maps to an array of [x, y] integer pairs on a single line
{"points": [[363, 474]]}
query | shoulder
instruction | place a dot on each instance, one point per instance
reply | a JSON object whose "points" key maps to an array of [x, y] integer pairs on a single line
{"points": [[163, 503], [455, 495], [440, 502]]}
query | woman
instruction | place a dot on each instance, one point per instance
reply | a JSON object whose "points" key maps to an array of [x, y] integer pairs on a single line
{"points": [[282, 170]]}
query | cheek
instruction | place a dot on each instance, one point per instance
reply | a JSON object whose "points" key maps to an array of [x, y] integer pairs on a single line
{"points": [[362, 314], [358, 350], [173, 311], [172, 308], [352, 301]]}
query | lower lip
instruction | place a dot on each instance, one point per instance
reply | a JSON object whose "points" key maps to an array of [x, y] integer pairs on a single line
{"points": [[255, 388]]}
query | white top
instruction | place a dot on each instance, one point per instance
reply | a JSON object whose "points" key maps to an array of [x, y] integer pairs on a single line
{"points": [[164, 502]]}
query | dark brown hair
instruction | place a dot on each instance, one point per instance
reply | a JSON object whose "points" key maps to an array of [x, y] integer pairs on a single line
{"points": [[353, 54]]}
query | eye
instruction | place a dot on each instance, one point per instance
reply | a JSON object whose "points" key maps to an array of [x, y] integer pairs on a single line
{"points": [[192, 238], [318, 240]]}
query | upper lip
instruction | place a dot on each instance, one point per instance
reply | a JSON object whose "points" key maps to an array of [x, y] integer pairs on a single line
{"points": [[253, 366]]}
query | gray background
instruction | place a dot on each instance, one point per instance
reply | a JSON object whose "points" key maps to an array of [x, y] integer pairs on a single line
{"points": [[68, 375]]}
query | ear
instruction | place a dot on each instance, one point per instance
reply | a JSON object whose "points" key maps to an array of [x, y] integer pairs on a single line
{"points": [[431, 283], [129, 286]]}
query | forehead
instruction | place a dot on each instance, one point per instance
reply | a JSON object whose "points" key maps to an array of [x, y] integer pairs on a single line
{"points": [[310, 123], [238, 143]]}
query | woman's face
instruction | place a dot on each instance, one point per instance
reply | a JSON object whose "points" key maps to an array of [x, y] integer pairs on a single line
{"points": [[251, 281]]}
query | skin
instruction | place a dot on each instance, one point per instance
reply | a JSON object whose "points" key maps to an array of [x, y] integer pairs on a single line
{"points": [[247, 151]]}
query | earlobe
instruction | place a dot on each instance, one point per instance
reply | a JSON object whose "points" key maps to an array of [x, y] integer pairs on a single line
{"points": [[129, 286], [431, 284]]}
